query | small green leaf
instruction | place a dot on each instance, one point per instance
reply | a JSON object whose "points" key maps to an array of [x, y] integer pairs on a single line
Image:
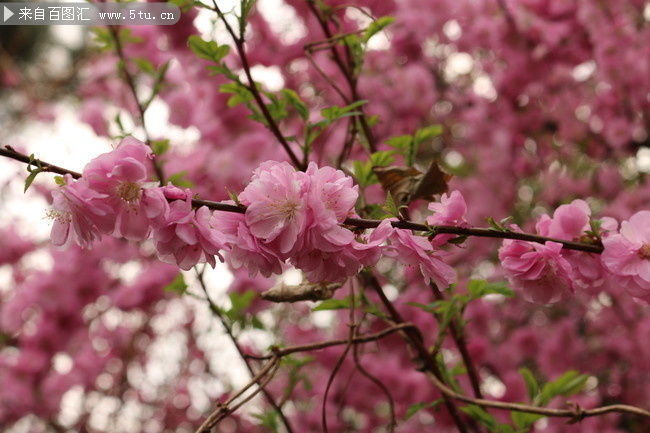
{"points": [[207, 50], [32, 175], [376, 26], [363, 173], [332, 304], [294, 100], [178, 285], [524, 421], [240, 301], [179, 180], [416, 407], [382, 158], [427, 133], [480, 415], [405, 145], [480, 288], [59, 180], [457, 240], [145, 65], [159, 147], [390, 207], [531, 383], [568, 384]]}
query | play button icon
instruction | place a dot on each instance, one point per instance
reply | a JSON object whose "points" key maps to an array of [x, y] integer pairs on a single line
{"points": [[7, 13]]}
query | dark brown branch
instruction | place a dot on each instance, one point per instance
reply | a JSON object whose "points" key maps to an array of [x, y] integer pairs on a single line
{"points": [[416, 341], [10, 152]]}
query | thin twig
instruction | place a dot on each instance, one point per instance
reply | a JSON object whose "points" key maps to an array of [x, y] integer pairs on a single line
{"points": [[576, 413], [272, 125], [325, 344], [215, 310], [261, 379], [347, 73], [130, 82], [459, 339]]}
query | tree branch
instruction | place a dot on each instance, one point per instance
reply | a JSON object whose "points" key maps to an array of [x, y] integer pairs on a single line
{"points": [[358, 223]]}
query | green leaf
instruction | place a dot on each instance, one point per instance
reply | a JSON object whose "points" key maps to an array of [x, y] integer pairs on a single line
{"points": [[33, 172], [483, 417], [246, 6], [103, 39], [159, 147], [524, 421], [353, 43], [427, 133], [505, 428], [333, 304], [179, 180], [363, 173], [498, 226], [376, 26], [184, 5], [416, 407], [207, 50], [178, 285], [480, 288], [405, 146], [294, 100], [390, 206], [401, 142], [145, 65], [457, 240], [382, 158], [59, 180], [531, 383], [240, 301], [269, 420], [32, 175], [568, 384]]}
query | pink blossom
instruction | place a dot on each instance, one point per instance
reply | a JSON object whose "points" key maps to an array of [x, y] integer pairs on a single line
{"points": [[569, 222], [246, 249], [538, 270], [449, 212], [627, 254], [189, 237], [172, 192], [276, 207], [330, 191], [121, 177], [336, 262], [75, 219], [417, 251]]}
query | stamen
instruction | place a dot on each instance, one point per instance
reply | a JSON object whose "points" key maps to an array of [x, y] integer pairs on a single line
{"points": [[129, 192]]}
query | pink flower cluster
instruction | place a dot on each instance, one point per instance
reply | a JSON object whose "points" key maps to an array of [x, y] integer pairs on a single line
{"points": [[548, 273], [292, 217], [114, 197], [545, 272], [627, 255], [297, 217]]}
